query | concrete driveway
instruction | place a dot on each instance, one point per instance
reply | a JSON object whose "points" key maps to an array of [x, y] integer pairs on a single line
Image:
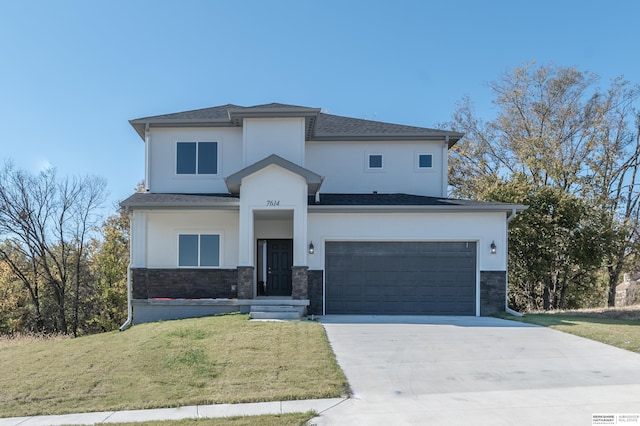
{"points": [[475, 371]]}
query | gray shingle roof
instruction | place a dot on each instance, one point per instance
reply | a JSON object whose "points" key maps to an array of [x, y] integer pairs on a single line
{"points": [[214, 113], [403, 200], [150, 200], [328, 202], [277, 106], [335, 126], [320, 126]]}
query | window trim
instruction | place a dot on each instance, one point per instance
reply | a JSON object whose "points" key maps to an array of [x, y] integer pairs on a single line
{"points": [[367, 162], [196, 174], [417, 162], [200, 233]]}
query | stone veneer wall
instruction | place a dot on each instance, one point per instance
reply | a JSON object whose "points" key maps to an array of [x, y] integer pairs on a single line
{"points": [[244, 278], [184, 283], [493, 292], [314, 279], [299, 283]]}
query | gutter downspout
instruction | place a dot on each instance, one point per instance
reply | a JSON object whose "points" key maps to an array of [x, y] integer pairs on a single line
{"points": [[445, 167], [129, 320], [506, 299]]}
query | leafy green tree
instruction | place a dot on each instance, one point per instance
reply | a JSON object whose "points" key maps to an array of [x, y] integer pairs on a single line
{"points": [[14, 303], [556, 128], [555, 246], [110, 261]]}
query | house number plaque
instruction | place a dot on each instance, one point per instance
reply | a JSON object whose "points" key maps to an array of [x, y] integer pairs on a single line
{"points": [[273, 203]]}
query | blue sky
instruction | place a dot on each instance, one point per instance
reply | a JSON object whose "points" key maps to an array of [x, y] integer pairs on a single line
{"points": [[72, 73]]}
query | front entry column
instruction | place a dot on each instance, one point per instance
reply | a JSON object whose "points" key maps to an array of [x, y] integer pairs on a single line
{"points": [[300, 282], [245, 282]]}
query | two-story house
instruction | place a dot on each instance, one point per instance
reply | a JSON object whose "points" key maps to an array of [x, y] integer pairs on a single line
{"points": [[282, 207]]}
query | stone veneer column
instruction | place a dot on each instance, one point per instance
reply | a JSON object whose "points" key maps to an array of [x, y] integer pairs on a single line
{"points": [[314, 280], [245, 282], [493, 292], [299, 282]]}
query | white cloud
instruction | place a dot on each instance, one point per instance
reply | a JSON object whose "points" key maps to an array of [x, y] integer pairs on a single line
{"points": [[41, 164]]}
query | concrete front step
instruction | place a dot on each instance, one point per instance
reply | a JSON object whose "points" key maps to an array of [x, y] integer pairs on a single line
{"points": [[276, 311], [274, 308], [275, 315]]}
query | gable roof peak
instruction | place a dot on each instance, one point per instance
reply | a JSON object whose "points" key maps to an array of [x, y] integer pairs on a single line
{"points": [[234, 181]]}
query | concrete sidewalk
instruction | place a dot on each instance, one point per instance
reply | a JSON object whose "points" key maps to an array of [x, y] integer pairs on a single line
{"points": [[195, 411]]}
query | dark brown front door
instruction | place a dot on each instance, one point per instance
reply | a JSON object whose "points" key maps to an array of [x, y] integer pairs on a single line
{"points": [[279, 263]]}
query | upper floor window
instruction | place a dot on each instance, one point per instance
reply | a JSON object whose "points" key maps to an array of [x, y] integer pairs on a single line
{"points": [[374, 162], [199, 158], [424, 161], [199, 250]]}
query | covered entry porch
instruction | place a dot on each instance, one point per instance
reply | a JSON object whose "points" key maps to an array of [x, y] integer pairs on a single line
{"points": [[273, 243], [274, 283]]}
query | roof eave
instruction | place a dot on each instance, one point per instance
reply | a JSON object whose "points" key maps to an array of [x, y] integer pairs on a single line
{"points": [[140, 125], [503, 208], [236, 115], [270, 112], [234, 181], [451, 140], [180, 206]]}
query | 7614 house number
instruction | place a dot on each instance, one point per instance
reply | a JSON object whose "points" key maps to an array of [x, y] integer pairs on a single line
{"points": [[273, 203]]}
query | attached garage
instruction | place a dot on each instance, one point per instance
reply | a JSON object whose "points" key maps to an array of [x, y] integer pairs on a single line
{"points": [[400, 278]]}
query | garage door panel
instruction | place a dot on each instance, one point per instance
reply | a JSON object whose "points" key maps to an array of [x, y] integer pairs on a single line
{"points": [[420, 278], [352, 276], [372, 292], [450, 292], [447, 264], [352, 289]]}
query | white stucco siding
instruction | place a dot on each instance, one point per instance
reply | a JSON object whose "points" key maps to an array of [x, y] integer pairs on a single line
{"points": [[481, 227], [162, 230], [273, 228], [162, 159], [138, 239], [283, 137], [344, 167], [273, 192]]}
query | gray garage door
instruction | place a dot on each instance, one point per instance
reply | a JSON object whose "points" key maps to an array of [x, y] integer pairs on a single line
{"points": [[400, 278]]}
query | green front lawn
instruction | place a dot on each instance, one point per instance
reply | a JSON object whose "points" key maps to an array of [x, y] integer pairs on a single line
{"points": [[224, 359], [615, 327]]}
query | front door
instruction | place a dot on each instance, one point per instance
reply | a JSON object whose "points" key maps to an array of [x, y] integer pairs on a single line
{"points": [[279, 263]]}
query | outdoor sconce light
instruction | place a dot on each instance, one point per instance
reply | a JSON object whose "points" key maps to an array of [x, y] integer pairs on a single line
{"points": [[493, 247], [311, 248]]}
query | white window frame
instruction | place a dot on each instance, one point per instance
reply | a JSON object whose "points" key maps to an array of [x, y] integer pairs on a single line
{"points": [[197, 175], [199, 233], [367, 162], [417, 162]]}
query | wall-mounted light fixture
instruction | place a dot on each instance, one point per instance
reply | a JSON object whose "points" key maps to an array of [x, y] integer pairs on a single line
{"points": [[493, 247], [311, 248]]}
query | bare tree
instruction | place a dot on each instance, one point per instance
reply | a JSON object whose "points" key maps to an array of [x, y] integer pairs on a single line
{"points": [[555, 127], [621, 209], [45, 223]]}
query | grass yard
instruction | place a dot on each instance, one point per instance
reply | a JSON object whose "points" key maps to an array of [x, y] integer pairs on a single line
{"points": [[616, 327], [224, 359]]}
